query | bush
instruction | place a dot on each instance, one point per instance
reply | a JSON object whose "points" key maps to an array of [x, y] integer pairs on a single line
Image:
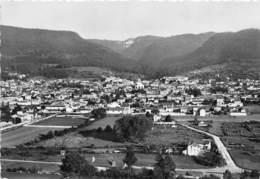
{"points": [[210, 177], [99, 129], [208, 159], [108, 129], [99, 113], [254, 174]]}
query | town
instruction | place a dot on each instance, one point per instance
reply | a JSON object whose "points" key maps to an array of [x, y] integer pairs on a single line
{"points": [[191, 118]]}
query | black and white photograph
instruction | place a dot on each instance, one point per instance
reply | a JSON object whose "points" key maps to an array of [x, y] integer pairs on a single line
{"points": [[139, 89]]}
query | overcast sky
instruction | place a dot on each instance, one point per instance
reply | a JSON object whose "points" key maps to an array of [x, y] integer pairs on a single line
{"points": [[121, 20]]}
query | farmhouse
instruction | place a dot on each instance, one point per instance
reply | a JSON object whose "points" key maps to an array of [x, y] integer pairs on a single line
{"points": [[196, 149]]}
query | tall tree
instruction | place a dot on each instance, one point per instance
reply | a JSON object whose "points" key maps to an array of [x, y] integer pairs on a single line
{"points": [[73, 163], [164, 167], [168, 118], [227, 175], [130, 158], [99, 113]]}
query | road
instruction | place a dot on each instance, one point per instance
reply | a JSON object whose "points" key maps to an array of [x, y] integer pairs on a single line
{"points": [[30, 161], [230, 164], [23, 124], [48, 126]]}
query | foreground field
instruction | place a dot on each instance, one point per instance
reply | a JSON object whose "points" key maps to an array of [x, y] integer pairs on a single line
{"points": [[62, 121], [143, 160], [22, 135], [43, 167], [245, 159], [242, 141], [28, 176]]}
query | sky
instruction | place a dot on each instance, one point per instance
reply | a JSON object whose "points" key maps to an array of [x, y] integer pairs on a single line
{"points": [[121, 20]]}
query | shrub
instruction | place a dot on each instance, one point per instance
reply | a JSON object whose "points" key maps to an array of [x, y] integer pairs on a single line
{"points": [[99, 113], [108, 129], [208, 159]]}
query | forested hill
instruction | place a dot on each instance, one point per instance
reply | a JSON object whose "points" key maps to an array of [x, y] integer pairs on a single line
{"points": [[45, 52], [239, 52], [31, 49]]}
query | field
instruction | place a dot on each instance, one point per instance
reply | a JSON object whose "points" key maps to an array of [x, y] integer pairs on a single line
{"points": [[88, 72], [28, 176], [253, 109], [143, 160], [45, 167], [62, 121], [76, 140], [158, 136], [102, 123], [242, 141], [220, 118], [22, 135], [245, 159], [166, 136], [213, 128]]}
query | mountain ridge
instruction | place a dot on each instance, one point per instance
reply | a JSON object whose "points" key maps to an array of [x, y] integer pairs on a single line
{"points": [[30, 50], [36, 47]]}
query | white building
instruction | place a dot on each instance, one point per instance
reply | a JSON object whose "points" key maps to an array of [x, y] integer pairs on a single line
{"points": [[139, 84], [203, 112], [197, 149], [156, 118]]}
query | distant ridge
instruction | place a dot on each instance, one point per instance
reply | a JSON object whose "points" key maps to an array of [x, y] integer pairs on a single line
{"points": [[31, 48], [239, 51], [40, 52]]}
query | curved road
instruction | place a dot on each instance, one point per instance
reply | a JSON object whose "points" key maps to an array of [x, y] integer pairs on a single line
{"points": [[230, 164]]}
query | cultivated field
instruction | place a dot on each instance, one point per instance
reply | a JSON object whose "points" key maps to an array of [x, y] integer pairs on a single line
{"points": [[22, 135], [242, 141], [253, 109], [62, 121], [245, 159], [214, 127], [165, 136]]}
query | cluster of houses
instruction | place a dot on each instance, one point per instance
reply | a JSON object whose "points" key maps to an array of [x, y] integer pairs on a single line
{"points": [[175, 96]]}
